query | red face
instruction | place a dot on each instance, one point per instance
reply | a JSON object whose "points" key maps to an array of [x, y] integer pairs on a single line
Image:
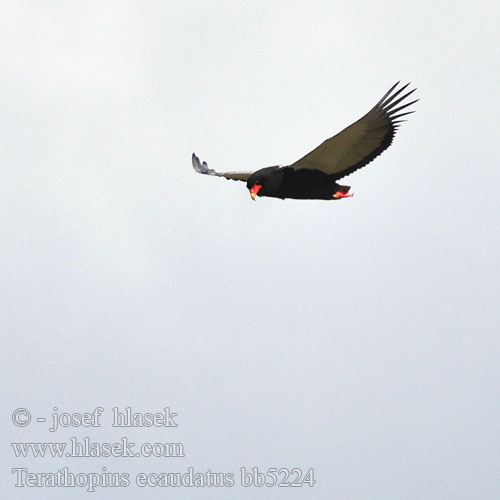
{"points": [[254, 190]]}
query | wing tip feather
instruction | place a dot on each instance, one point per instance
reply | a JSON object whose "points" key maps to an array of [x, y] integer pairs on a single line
{"points": [[201, 167]]}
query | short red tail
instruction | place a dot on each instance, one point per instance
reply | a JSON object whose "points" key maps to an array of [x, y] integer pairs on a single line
{"points": [[343, 192]]}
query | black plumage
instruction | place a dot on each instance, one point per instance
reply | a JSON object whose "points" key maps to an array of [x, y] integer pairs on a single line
{"points": [[315, 175]]}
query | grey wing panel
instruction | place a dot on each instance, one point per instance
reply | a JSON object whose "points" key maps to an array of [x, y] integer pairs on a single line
{"points": [[202, 168], [359, 143]]}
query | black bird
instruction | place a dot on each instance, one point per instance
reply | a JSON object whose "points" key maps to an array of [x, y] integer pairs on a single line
{"points": [[315, 176]]}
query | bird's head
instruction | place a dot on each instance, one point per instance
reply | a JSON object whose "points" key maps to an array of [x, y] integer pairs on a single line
{"points": [[265, 182]]}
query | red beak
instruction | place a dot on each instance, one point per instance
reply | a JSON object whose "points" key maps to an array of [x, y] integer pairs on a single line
{"points": [[254, 190]]}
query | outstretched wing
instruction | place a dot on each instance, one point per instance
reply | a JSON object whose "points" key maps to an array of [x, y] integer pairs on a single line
{"points": [[202, 168], [361, 142]]}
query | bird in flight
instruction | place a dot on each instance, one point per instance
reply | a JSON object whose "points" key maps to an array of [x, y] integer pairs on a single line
{"points": [[315, 176]]}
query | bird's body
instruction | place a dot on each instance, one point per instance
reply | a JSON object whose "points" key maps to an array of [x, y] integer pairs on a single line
{"points": [[302, 184], [315, 175]]}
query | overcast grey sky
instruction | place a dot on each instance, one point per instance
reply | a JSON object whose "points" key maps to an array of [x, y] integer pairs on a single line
{"points": [[358, 337]]}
